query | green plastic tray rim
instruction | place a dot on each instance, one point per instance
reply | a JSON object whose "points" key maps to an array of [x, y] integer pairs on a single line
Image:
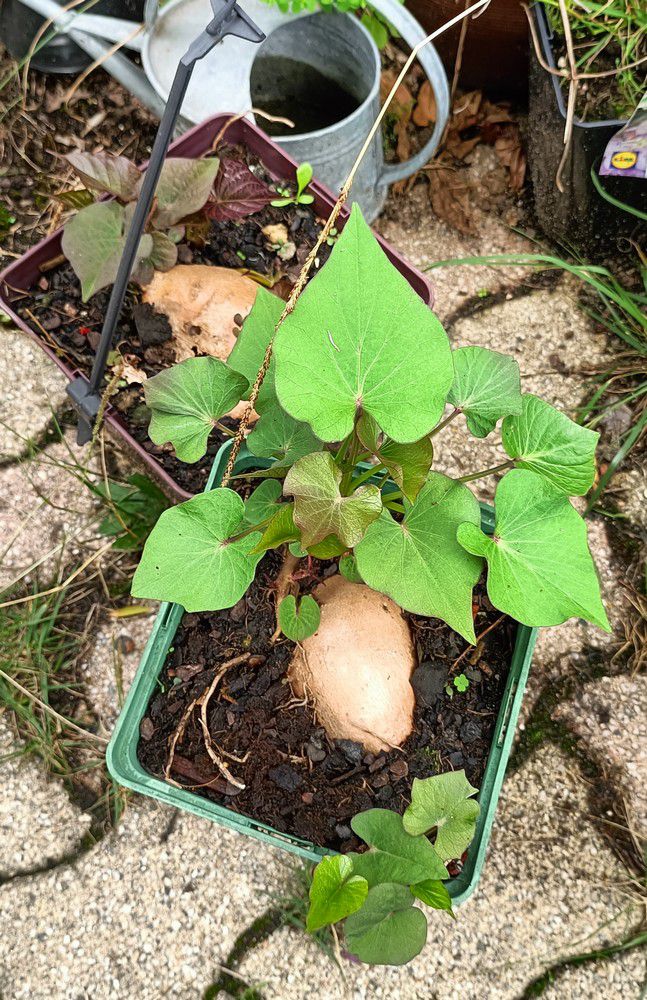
{"points": [[124, 766]]}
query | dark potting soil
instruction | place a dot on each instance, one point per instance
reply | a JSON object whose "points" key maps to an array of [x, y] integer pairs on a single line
{"points": [[55, 312], [599, 98], [296, 779]]}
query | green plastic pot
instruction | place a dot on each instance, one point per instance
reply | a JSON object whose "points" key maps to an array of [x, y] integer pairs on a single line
{"points": [[125, 768]]}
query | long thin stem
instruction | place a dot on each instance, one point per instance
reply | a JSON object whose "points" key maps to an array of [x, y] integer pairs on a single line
{"points": [[443, 423], [251, 529], [227, 431], [365, 476], [486, 472]]}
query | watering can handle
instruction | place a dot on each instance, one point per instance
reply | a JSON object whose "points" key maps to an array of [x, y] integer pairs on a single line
{"points": [[412, 32]]}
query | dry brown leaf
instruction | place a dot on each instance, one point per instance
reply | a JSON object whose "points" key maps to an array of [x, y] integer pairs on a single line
{"points": [[126, 367], [424, 113], [495, 113], [204, 306], [510, 153], [403, 145], [402, 97], [466, 110], [449, 195], [458, 147]]}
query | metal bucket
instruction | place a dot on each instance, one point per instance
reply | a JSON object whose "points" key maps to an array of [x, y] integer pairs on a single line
{"points": [[325, 65], [19, 26], [336, 43]]}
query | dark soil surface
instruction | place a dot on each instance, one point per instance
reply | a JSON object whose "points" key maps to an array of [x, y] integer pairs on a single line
{"points": [[72, 328], [602, 98], [297, 780]]}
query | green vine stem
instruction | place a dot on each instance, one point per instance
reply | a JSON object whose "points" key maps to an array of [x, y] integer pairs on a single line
{"points": [[486, 472]]}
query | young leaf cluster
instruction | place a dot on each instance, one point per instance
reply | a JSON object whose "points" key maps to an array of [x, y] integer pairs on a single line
{"points": [[303, 176], [374, 892], [94, 238], [375, 23], [349, 413]]}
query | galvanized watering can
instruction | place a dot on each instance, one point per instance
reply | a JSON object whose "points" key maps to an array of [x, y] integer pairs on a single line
{"points": [[333, 48]]}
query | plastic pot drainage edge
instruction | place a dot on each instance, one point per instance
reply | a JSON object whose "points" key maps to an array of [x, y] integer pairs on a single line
{"points": [[124, 766], [21, 276]]}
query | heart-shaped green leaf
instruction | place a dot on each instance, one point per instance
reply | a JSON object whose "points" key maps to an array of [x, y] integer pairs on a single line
{"points": [[190, 556], [320, 509], [329, 548], [443, 801], [183, 188], [394, 855], [263, 502], [186, 400], [407, 464], [540, 570], [106, 173], [164, 253], [434, 894], [335, 892], [277, 435], [388, 929], [249, 350], [361, 340], [418, 562], [298, 621], [546, 441], [280, 529], [348, 568], [93, 242], [487, 386]]}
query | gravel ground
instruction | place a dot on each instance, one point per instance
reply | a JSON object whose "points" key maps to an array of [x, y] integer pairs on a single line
{"points": [[610, 716]]}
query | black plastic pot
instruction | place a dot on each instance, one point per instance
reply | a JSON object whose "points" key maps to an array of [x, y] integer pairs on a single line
{"points": [[579, 216], [19, 26]]}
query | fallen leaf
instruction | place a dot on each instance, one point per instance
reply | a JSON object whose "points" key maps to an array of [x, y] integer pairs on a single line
{"points": [[460, 148], [403, 145], [203, 305], [424, 112], [449, 195], [510, 152], [466, 110], [402, 96], [129, 370]]}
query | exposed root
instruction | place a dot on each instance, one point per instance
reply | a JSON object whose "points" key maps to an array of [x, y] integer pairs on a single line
{"points": [[202, 702]]}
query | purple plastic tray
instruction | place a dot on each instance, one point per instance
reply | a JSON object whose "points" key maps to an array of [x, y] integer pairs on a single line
{"points": [[17, 279]]}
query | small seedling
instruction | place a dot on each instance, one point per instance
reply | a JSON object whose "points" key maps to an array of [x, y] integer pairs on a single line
{"points": [[374, 893], [304, 176], [461, 683], [374, 22]]}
